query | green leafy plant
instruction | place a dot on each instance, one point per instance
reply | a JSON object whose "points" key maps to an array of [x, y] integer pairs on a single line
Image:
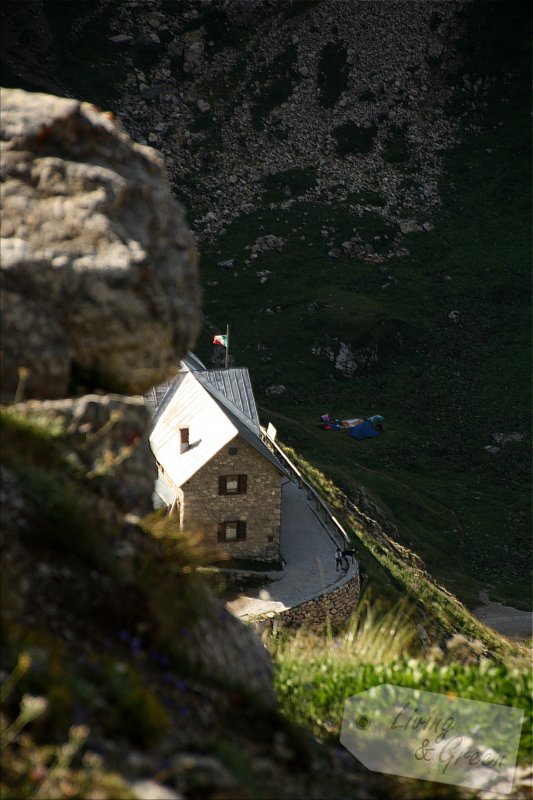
{"points": [[315, 673]]}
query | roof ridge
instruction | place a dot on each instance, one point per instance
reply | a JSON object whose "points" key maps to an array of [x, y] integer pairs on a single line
{"points": [[225, 401]]}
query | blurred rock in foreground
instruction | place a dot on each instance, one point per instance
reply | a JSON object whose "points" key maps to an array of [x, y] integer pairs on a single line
{"points": [[99, 266]]}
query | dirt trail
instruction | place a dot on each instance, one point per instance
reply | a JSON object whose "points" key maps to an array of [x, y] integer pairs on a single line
{"points": [[509, 621]]}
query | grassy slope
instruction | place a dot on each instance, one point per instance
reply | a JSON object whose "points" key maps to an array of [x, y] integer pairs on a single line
{"points": [[315, 673], [451, 385]]}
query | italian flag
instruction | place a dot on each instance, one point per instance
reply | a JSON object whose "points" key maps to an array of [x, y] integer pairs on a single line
{"points": [[221, 339]]}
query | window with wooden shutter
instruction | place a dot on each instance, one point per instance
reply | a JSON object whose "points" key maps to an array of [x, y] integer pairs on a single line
{"points": [[231, 531], [232, 484]]}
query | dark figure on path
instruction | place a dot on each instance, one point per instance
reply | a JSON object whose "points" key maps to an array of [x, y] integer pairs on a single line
{"points": [[346, 553], [338, 559]]}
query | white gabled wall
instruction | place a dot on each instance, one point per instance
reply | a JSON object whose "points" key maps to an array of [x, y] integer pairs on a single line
{"points": [[192, 407]]}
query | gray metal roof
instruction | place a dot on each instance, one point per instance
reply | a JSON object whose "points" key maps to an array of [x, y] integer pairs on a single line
{"points": [[232, 386], [192, 362], [231, 389], [155, 396]]}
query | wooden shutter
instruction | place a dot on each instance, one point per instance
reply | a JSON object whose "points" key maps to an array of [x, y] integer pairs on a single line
{"points": [[241, 531], [222, 485], [221, 532], [243, 484]]}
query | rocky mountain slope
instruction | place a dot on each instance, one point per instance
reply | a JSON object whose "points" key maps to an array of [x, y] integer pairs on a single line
{"points": [[322, 101], [338, 97]]}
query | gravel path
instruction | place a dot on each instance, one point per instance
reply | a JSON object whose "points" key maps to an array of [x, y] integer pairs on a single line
{"points": [[308, 550], [512, 622]]}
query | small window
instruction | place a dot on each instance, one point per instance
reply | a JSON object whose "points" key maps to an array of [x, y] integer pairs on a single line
{"points": [[233, 531], [230, 531], [232, 484]]}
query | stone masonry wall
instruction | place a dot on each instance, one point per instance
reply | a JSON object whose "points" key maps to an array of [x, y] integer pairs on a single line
{"points": [[335, 606], [260, 507]]}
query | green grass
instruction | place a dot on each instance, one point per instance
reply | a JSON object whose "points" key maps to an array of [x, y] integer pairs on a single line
{"points": [[68, 518], [438, 608], [113, 692], [316, 672], [30, 437], [30, 769], [31, 446], [312, 690]]}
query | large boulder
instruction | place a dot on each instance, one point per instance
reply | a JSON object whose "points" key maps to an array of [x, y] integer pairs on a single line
{"points": [[105, 443], [349, 361], [99, 267]]}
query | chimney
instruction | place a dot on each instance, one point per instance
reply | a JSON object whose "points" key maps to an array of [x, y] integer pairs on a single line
{"points": [[184, 439]]}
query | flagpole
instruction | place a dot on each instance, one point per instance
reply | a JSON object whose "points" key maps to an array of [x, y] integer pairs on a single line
{"points": [[227, 347]]}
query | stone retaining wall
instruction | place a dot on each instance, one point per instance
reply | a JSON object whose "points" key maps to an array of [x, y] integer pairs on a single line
{"points": [[335, 606]]}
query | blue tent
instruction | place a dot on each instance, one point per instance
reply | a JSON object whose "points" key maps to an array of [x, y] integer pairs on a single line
{"points": [[365, 430]]}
